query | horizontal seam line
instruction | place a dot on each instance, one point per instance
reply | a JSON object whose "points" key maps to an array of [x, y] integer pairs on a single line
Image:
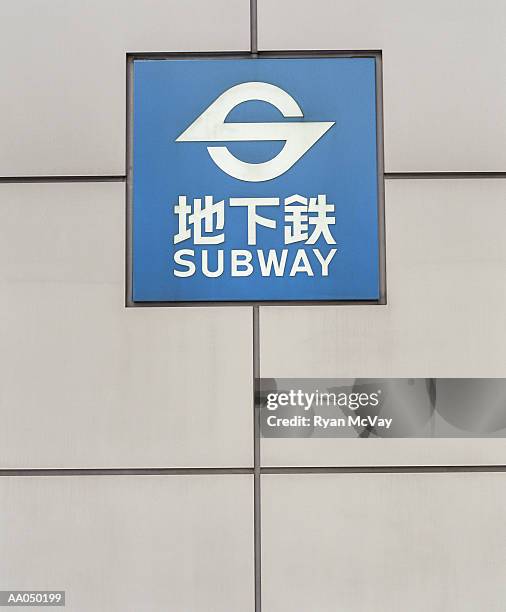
{"points": [[122, 178], [443, 175], [120, 471], [64, 179], [384, 469], [263, 470]]}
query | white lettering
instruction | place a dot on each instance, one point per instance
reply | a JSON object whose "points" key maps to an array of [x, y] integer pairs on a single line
{"points": [[205, 264], [241, 258], [178, 259], [244, 262], [272, 262], [301, 264], [325, 262]]}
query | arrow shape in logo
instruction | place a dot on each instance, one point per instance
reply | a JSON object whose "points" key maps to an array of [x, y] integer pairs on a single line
{"points": [[299, 137]]}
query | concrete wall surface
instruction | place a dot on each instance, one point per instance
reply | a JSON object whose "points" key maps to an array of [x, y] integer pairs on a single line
{"points": [[130, 474]]}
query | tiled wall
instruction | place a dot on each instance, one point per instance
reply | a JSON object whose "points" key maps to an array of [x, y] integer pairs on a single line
{"points": [[141, 419]]}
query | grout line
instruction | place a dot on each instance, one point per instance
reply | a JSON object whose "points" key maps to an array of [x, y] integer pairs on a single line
{"points": [[253, 22], [257, 527], [113, 178], [257, 508], [385, 469], [122, 471], [119, 178], [256, 471], [444, 175]]}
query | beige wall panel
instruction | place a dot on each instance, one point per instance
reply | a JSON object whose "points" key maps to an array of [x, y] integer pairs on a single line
{"points": [[384, 542], [130, 543], [86, 382], [62, 108]]}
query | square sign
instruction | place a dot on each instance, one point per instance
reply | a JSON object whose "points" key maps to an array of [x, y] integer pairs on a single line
{"points": [[255, 179]]}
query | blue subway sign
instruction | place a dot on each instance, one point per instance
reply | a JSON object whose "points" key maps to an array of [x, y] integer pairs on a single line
{"points": [[255, 180]]}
